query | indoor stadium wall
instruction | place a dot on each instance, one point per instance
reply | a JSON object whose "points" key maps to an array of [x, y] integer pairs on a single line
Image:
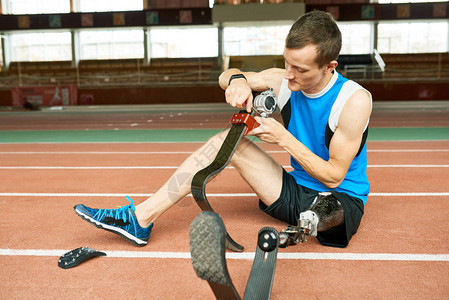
{"points": [[422, 76]]}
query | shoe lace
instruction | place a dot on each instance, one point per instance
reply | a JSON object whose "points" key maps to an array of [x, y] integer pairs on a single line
{"points": [[118, 213]]}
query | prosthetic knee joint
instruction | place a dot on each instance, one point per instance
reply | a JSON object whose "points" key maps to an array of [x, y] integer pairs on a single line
{"points": [[324, 213]]}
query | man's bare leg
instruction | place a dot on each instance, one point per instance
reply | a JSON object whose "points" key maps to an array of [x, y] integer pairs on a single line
{"points": [[259, 170], [255, 166], [173, 189]]}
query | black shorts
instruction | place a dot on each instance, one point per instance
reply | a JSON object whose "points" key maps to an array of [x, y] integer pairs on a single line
{"points": [[295, 199]]}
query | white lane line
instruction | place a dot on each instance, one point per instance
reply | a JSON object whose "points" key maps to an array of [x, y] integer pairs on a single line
{"points": [[175, 167], [89, 168], [408, 150], [408, 166], [185, 152], [438, 194], [245, 255], [12, 194], [108, 152], [94, 152]]}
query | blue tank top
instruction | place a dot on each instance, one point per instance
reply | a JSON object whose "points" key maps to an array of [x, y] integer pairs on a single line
{"points": [[313, 119]]}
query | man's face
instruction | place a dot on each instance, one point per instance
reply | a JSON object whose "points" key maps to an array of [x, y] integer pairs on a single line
{"points": [[302, 71]]}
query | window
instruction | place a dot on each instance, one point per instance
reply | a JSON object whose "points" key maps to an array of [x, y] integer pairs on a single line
{"points": [[1, 53], [111, 44], [188, 42], [408, 1], [263, 40], [356, 38], [109, 5], [63, 6], [40, 46], [35, 6], [416, 37], [270, 40]]}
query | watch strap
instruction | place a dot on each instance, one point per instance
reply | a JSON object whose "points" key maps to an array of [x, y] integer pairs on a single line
{"points": [[236, 76]]}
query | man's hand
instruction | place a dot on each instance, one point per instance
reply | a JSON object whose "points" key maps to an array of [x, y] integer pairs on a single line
{"points": [[269, 131], [239, 93]]}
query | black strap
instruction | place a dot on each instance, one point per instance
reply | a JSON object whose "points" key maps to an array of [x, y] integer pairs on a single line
{"points": [[236, 76]]}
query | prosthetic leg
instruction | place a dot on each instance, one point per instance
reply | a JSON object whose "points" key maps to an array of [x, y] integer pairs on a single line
{"points": [[209, 238], [207, 247], [242, 122], [325, 213]]}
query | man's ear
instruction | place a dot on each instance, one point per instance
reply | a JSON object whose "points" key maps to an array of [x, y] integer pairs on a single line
{"points": [[331, 66]]}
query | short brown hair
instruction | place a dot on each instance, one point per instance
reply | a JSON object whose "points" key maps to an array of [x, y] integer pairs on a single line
{"points": [[316, 28]]}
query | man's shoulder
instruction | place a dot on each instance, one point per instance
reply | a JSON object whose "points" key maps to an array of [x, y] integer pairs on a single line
{"points": [[284, 93], [350, 87]]}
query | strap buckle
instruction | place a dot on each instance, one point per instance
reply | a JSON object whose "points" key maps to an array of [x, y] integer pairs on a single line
{"points": [[244, 118]]}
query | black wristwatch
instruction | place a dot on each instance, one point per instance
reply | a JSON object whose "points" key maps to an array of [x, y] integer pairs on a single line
{"points": [[236, 76]]}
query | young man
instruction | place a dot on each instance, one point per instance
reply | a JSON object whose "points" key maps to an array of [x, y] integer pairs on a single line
{"points": [[325, 120]]}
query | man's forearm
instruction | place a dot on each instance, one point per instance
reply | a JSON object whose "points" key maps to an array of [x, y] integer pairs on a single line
{"points": [[223, 80], [324, 171]]}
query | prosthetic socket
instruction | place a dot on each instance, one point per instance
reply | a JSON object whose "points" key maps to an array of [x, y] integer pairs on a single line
{"points": [[324, 213]]}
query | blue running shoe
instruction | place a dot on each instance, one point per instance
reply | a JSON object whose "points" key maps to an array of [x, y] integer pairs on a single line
{"points": [[121, 221]]}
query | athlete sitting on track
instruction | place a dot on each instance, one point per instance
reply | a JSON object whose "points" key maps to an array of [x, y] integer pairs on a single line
{"points": [[325, 120]]}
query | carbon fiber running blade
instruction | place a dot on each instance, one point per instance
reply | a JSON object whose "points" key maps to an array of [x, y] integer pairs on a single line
{"points": [[207, 250], [200, 179], [261, 278]]}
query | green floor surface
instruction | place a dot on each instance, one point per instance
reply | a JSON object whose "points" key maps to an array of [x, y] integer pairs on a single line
{"points": [[190, 135]]}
